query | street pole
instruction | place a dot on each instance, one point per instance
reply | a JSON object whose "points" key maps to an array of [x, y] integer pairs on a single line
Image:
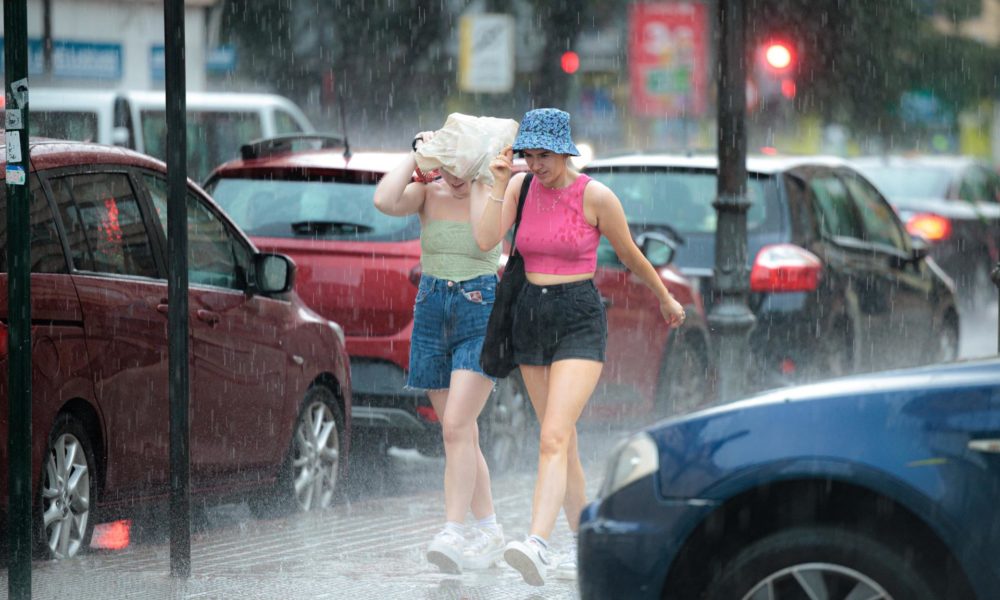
{"points": [[177, 289], [730, 318], [995, 275], [18, 301]]}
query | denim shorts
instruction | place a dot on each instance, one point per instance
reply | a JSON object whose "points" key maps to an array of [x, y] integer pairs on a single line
{"points": [[556, 322], [449, 323]]}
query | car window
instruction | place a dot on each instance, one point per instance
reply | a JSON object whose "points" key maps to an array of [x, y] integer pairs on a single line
{"points": [[683, 199], [215, 256], [315, 209], [909, 181], [46, 250], [878, 220], [104, 225], [213, 137], [834, 209], [65, 125], [974, 186], [285, 123]]}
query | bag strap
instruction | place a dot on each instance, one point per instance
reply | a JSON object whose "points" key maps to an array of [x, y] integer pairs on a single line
{"points": [[525, 184]]}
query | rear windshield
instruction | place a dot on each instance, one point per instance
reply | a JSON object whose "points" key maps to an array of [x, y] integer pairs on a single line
{"points": [[325, 209], [917, 181], [683, 199]]}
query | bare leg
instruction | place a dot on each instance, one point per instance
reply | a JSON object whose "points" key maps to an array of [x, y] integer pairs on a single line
{"points": [[457, 408], [559, 394]]}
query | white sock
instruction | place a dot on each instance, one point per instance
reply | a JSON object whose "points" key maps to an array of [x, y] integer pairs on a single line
{"points": [[541, 541], [456, 528], [489, 522]]}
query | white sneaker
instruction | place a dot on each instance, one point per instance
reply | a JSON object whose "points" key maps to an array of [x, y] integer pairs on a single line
{"points": [[565, 569], [530, 559], [445, 551], [484, 549]]}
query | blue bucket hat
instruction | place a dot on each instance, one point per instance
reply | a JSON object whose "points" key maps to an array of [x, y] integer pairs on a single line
{"points": [[547, 129]]}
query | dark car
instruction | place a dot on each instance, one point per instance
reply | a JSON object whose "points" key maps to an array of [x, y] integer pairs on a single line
{"points": [[270, 400], [952, 202], [873, 486], [836, 284], [361, 268]]}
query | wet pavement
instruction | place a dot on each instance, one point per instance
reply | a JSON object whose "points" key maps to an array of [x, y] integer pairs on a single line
{"points": [[369, 545]]}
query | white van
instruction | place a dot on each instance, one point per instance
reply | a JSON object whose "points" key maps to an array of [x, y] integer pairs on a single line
{"points": [[218, 123]]}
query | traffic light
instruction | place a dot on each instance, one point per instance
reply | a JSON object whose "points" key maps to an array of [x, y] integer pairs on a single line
{"points": [[779, 56], [570, 62], [777, 62]]}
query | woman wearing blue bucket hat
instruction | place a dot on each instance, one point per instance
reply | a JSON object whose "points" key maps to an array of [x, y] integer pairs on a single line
{"points": [[560, 327]]}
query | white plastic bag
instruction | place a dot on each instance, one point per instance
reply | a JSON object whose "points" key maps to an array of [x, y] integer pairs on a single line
{"points": [[465, 146]]}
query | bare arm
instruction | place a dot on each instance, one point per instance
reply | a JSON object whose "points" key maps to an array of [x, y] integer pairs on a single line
{"points": [[612, 224], [496, 206], [396, 193]]}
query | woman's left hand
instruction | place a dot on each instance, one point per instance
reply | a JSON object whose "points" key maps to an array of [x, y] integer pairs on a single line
{"points": [[672, 311]]}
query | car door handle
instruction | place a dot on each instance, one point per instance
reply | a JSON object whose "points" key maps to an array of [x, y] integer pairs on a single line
{"points": [[989, 446], [163, 307], [208, 316]]}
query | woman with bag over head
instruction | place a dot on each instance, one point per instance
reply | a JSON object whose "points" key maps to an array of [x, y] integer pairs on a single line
{"points": [[454, 299], [559, 325]]}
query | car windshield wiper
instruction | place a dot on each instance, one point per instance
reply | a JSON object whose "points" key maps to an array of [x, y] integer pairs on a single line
{"points": [[326, 227]]}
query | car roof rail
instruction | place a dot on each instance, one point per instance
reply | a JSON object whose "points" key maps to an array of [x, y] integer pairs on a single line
{"points": [[283, 144]]}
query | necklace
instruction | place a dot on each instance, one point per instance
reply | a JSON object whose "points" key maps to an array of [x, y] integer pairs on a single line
{"points": [[552, 198]]}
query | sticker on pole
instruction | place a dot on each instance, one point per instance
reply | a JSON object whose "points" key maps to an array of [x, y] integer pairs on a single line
{"points": [[13, 146], [15, 175], [13, 119], [19, 89]]}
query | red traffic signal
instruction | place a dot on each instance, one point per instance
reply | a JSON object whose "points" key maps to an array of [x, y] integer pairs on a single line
{"points": [[570, 62], [779, 56]]}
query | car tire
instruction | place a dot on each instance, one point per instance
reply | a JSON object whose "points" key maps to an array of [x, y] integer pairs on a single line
{"points": [[68, 491], [505, 423], [795, 563], [309, 476], [683, 379]]}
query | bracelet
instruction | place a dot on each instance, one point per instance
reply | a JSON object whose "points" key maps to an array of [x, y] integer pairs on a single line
{"points": [[414, 144], [495, 199]]}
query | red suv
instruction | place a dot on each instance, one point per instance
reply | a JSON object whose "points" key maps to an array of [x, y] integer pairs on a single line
{"points": [[270, 403], [361, 267]]}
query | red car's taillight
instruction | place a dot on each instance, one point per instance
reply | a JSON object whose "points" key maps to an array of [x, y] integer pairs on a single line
{"points": [[931, 227], [4, 340], [427, 413], [785, 268]]}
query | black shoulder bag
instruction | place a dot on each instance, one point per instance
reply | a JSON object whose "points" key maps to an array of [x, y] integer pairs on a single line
{"points": [[497, 358]]}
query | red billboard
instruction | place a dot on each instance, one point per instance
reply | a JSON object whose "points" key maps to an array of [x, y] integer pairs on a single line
{"points": [[668, 58]]}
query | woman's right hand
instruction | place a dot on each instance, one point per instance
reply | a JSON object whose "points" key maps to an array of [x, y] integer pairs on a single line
{"points": [[422, 138], [502, 167]]}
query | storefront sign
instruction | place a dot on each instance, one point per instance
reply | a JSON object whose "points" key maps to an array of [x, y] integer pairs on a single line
{"points": [[668, 58]]}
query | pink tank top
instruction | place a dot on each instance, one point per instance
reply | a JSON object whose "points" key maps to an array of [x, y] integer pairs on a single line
{"points": [[554, 237]]}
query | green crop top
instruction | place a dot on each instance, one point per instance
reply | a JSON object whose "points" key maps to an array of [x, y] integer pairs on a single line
{"points": [[448, 250]]}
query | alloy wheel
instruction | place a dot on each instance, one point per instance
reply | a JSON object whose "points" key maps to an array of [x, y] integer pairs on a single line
{"points": [[817, 581], [316, 458], [66, 497], [507, 421]]}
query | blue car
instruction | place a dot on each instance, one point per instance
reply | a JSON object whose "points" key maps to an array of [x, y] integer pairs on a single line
{"points": [[877, 486]]}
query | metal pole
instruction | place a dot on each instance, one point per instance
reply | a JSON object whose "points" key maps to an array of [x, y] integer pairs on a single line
{"points": [[177, 292], [995, 275], [730, 319], [19, 518]]}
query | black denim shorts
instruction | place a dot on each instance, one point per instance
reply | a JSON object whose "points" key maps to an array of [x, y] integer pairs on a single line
{"points": [[556, 322]]}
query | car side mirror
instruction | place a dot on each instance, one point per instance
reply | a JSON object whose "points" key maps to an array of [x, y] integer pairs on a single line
{"points": [[656, 247], [919, 250], [275, 273]]}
